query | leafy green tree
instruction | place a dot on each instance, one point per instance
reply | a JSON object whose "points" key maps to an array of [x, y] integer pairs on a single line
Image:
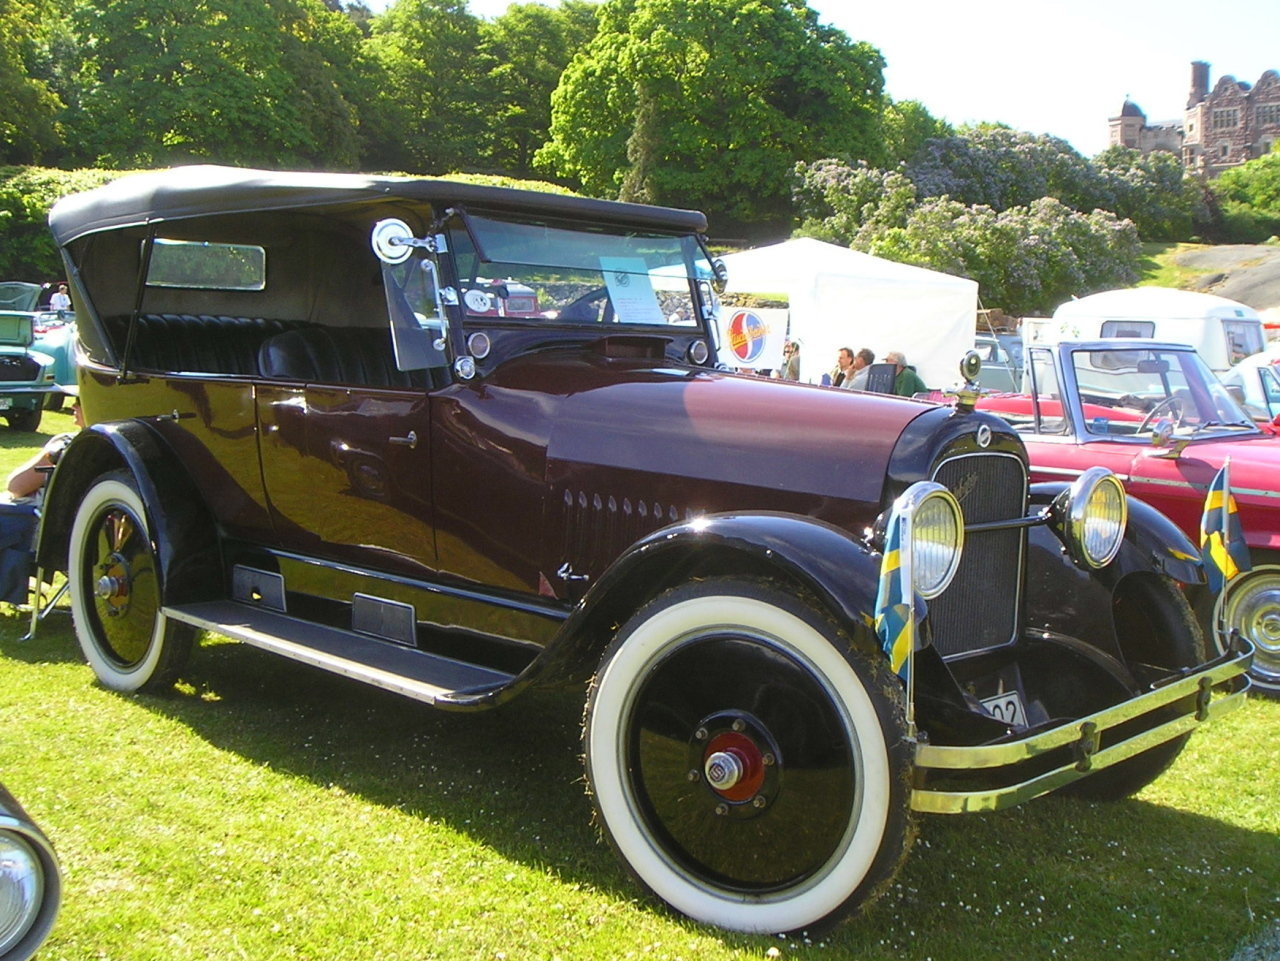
{"points": [[1245, 201], [710, 103], [27, 250], [430, 114], [241, 81], [28, 107], [1256, 183], [529, 46], [908, 125]]}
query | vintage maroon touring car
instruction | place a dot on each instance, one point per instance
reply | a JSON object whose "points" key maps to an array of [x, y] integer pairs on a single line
{"points": [[313, 432], [1156, 416]]}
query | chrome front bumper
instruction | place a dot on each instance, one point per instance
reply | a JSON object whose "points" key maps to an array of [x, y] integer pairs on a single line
{"points": [[1215, 688]]}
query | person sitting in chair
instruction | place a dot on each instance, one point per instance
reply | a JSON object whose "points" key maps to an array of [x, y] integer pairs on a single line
{"points": [[27, 482]]}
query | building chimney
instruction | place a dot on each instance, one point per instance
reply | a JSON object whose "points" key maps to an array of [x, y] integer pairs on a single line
{"points": [[1199, 82]]}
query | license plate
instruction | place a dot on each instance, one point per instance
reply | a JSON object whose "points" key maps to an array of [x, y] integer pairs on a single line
{"points": [[1006, 707]]}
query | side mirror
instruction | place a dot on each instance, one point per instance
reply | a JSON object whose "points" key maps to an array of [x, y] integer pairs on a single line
{"points": [[720, 276]]}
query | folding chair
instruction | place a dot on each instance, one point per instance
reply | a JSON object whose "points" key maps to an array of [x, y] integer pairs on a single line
{"points": [[18, 567]]}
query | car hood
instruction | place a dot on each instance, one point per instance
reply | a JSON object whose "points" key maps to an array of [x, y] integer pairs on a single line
{"points": [[716, 426]]}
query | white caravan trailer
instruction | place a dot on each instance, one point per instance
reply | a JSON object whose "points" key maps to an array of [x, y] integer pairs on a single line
{"points": [[1222, 331]]}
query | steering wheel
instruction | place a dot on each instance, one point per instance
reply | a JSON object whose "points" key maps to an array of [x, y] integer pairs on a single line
{"points": [[581, 307], [1173, 403]]}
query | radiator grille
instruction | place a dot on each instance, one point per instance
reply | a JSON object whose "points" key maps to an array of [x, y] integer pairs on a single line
{"points": [[980, 608]]}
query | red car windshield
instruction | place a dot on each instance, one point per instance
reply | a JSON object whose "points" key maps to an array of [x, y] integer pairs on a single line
{"points": [[1141, 392]]}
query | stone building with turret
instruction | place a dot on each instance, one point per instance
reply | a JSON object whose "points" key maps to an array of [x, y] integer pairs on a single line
{"points": [[1221, 128]]}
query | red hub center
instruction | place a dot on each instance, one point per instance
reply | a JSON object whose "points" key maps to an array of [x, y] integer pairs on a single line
{"points": [[733, 766]]}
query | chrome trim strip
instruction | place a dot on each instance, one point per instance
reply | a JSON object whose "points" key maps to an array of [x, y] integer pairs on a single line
{"points": [[1229, 670]]}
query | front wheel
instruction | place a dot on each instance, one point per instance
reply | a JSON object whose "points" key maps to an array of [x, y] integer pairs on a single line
{"points": [[116, 591], [749, 767]]}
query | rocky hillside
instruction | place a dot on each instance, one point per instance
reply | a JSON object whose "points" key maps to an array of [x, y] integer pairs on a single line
{"points": [[1243, 272]]}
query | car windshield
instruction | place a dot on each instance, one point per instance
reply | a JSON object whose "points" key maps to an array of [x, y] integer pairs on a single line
{"points": [[552, 273], [1142, 392]]}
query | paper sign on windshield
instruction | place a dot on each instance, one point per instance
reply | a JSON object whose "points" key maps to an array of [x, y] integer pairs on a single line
{"points": [[631, 290]]}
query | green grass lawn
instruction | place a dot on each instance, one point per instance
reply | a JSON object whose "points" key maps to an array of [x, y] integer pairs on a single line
{"points": [[1158, 268], [265, 810]]}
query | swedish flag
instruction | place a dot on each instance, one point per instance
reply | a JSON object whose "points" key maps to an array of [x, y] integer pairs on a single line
{"points": [[895, 620], [1222, 546]]}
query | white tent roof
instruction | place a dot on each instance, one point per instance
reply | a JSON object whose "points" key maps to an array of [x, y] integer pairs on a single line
{"points": [[843, 298]]}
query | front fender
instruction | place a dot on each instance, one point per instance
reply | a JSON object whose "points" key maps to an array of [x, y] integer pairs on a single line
{"points": [[1063, 598], [181, 526], [1152, 542], [804, 554]]}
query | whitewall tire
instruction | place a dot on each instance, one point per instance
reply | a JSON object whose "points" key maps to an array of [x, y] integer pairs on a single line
{"points": [[751, 770]]}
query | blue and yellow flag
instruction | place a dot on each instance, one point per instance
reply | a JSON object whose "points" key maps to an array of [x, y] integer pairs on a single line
{"points": [[895, 623], [1222, 546]]}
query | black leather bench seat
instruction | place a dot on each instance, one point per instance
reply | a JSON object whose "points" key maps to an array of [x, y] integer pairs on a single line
{"points": [[258, 347]]}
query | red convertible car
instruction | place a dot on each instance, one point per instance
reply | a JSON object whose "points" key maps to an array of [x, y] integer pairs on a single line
{"points": [[1155, 415]]}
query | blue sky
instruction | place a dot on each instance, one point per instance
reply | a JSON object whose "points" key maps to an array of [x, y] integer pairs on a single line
{"points": [[1050, 66]]}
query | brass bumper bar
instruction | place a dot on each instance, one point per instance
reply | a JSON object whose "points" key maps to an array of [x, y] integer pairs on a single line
{"points": [[1217, 687]]}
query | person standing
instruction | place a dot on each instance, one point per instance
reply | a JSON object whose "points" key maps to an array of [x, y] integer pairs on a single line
{"points": [[907, 383], [61, 300]]}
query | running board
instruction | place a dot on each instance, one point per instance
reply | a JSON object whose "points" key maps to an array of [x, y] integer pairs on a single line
{"points": [[405, 670]]}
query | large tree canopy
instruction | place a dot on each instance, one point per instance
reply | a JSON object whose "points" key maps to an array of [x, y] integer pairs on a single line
{"points": [[28, 108], [529, 47], [708, 103], [430, 115], [241, 81]]}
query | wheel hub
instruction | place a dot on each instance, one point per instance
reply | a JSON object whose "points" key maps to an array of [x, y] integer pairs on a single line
{"points": [[112, 585], [736, 759]]}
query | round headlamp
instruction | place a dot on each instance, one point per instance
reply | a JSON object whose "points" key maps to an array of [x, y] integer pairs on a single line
{"points": [[1093, 517], [23, 893], [937, 536]]}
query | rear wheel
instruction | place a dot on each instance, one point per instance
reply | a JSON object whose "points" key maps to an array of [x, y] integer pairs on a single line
{"points": [[116, 591], [749, 768]]}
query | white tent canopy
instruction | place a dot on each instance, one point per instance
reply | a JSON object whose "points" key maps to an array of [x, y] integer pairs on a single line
{"points": [[842, 298]]}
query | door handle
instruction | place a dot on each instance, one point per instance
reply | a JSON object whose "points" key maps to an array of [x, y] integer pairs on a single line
{"points": [[410, 442]]}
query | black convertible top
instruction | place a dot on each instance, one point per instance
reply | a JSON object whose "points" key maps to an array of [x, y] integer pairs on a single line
{"points": [[203, 190]]}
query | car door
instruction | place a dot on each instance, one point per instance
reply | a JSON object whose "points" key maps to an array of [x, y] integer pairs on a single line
{"points": [[347, 467]]}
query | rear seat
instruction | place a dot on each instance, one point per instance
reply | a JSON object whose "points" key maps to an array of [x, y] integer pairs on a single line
{"points": [[196, 343], [337, 355], [257, 347]]}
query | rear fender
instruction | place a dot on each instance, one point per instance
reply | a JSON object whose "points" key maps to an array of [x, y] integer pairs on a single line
{"points": [[181, 526]]}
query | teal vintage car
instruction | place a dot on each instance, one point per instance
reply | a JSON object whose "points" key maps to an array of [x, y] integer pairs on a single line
{"points": [[34, 367]]}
